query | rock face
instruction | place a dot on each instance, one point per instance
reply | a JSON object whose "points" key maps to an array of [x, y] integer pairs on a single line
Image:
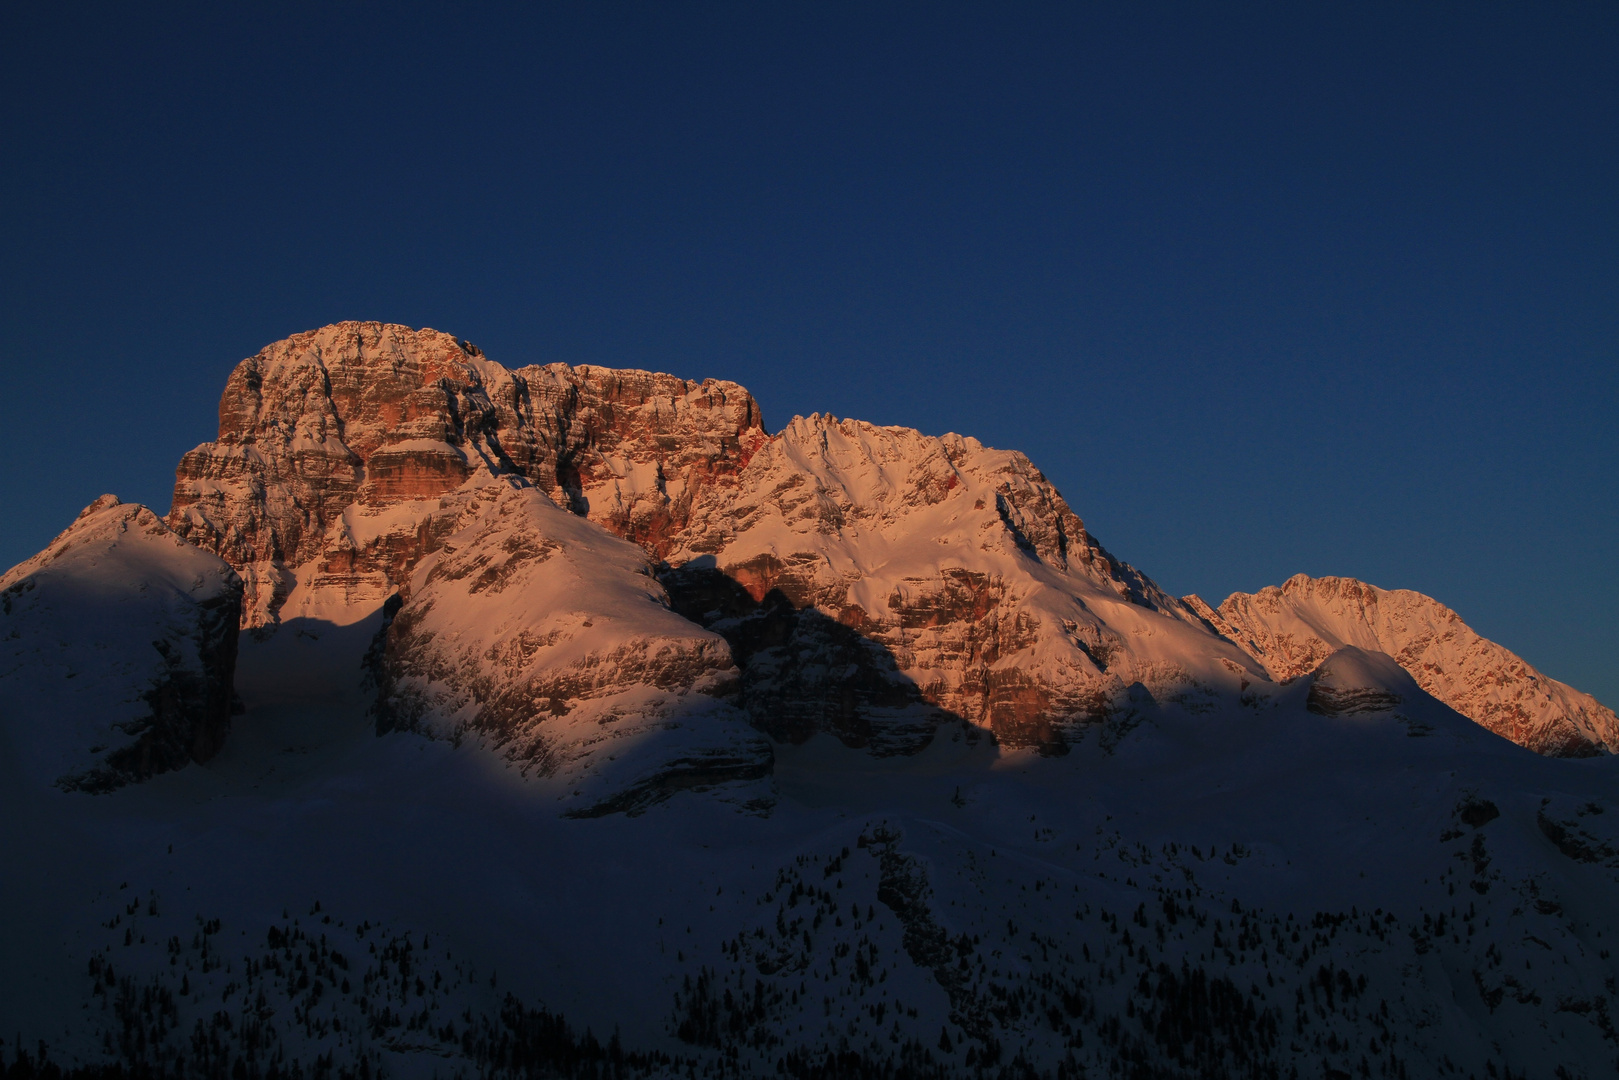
{"points": [[364, 464], [968, 584], [1292, 629], [325, 436], [117, 650]]}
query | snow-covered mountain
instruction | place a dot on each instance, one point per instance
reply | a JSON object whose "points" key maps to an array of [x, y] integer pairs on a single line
{"points": [[572, 698], [118, 652], [1293, 628]]}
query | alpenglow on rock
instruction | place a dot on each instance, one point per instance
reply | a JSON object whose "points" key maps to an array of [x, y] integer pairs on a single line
{"points": [[117, 647], [322, 436], [869, 582], [1293, 628], [546, 636]]}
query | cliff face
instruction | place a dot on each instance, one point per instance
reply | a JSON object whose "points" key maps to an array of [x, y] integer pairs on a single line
{"points": [[326, 436], [1293, 628], [117, 651]]}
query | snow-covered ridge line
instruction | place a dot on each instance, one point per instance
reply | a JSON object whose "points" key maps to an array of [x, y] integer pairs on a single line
{"points": [[1291, 629], [117, 651]]}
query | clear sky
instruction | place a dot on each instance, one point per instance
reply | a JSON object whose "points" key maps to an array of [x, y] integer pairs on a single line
{"points": [[1263, 289]]}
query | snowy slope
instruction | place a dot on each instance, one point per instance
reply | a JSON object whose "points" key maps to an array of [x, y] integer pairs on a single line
{"points": [[117, 644], [1238, 892], [550, 638], [1292, 628]]}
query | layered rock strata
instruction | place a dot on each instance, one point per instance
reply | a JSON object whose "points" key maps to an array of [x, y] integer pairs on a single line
{"points": [[117, 651], [327, 440], [1292, 628]]}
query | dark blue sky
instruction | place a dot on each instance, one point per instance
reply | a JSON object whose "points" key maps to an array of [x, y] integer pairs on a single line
{"points": [[1264, 290]]}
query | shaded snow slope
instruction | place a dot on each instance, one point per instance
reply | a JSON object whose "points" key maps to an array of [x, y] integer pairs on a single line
{"points": [[1293, 628], [1242, 891], [117, 647]]}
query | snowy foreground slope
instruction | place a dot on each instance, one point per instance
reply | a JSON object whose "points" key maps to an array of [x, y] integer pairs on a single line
{"points": [[572, 701], [1350, 872]]}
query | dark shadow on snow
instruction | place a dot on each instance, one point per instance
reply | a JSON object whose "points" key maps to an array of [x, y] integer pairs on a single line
{"points": [[803, 672]]}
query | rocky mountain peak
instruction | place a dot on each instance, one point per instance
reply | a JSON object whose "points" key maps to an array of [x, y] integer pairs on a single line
{"points": [[324, 435], [1293, 628]]}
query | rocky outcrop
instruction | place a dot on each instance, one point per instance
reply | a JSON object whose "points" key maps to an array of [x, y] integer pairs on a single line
{"points": [[1293, 628], [1352, 681], [117, 651]]}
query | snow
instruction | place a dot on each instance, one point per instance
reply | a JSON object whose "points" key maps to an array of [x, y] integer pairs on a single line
{"points": [[90, 627], [1286, 812], [539, 632]]}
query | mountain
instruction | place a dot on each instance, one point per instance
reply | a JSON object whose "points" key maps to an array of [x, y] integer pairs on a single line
{"points": [[953, 577], [1293, 628], [583, 727], [118, 653]]}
